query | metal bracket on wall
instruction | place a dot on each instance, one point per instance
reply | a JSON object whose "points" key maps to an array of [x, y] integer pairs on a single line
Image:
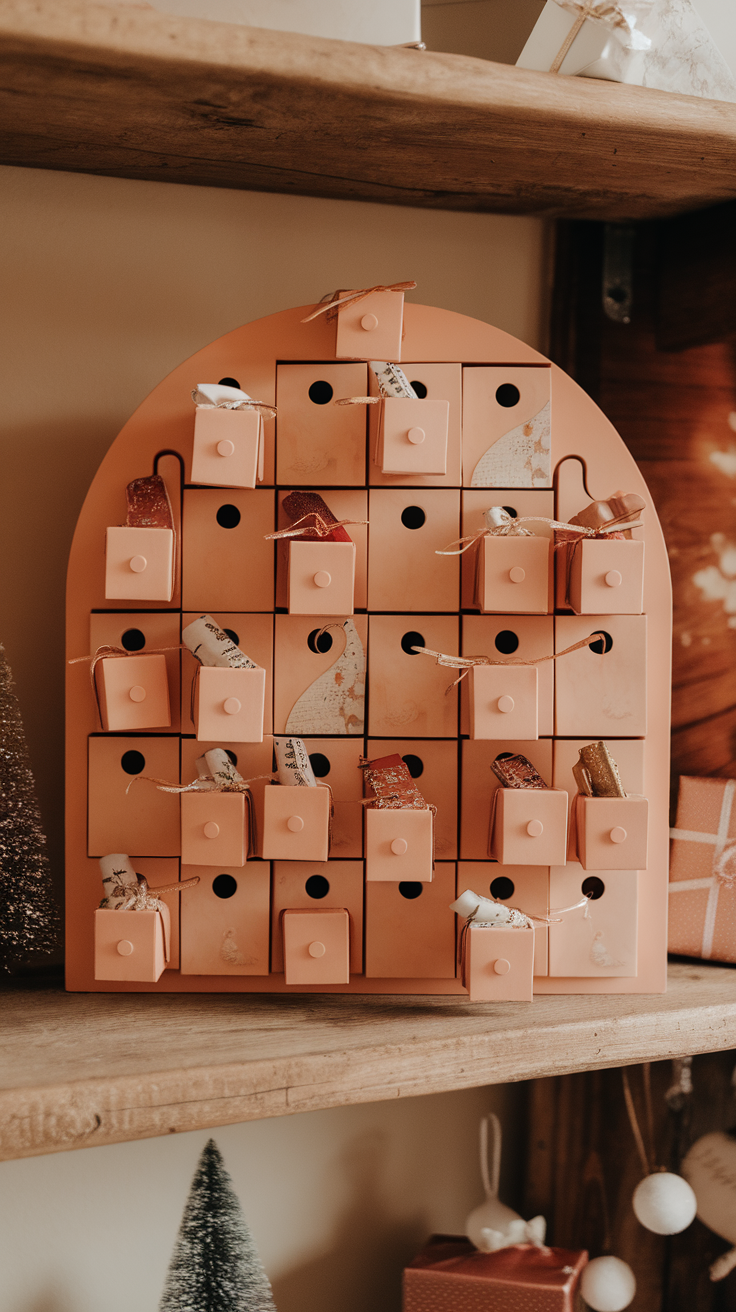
{"points": [[618, 271]]}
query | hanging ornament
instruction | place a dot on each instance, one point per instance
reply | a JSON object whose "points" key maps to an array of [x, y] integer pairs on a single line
{"points": [[608, 1284], [493, 1225], [663, 1202], [710, 1167]]}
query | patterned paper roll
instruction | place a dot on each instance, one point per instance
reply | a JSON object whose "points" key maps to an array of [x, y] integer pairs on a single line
{"points": [[213, 647], [119, 880], [294, 766], [392, 381], [215, 767]]}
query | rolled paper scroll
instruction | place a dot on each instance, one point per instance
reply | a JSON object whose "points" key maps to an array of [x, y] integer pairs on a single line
{"points": [[601, 771], [498, 520], [392, 785], [218, 396], [119, 880], [482, 911], [148, 503], [294, 766], [316, 520], [392, 381], [517, 772], [212, 647], [216, 770]]}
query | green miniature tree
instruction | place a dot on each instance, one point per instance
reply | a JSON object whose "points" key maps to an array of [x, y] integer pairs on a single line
{"points": [[215, 1265], [29, 917]]}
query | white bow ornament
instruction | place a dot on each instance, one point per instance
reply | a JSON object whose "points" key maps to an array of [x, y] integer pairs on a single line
{"points": [[493, 1225]]}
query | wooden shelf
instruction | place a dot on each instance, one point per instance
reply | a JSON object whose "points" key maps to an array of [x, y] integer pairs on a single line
{"points": [[78, 1070], [138, 94]]}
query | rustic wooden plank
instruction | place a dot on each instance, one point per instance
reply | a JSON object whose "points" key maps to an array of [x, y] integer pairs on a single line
{"points": [[139, 94], [84, 1069]]}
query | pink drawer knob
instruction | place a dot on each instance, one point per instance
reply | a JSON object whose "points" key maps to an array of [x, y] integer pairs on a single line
{"points": [[137, 694], [211, 829], [502, 966], [618, 835], [517, 574], [125, 947], [138, 564], [295, 824], [416, 435], [317, 949], [232, 706], [535, 828], [399, 846], [322, 579], [614, 579], [369, 322], [225, 448], [506, 704]]}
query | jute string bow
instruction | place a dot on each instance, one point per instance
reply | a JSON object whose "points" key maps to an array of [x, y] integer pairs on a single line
{"points": [[334, 301], [316, 525], [613, 15], [203, 402], [208, 784], [505, 525], [467, 663], [144, 898]]}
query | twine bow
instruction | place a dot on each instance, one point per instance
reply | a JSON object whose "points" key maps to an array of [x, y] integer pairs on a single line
{"points": [[318, 526], [333, 301], [723, 866], [105, 653], [467, 663], [206, 783], [145, 898], [506, 525], [612, 15], [203, 402]]}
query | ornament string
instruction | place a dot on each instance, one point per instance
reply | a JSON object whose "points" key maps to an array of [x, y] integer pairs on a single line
{"points": [[648, 1162], [468, 663], [333, 301], [511, 526], [318, 526], [202, 402]]}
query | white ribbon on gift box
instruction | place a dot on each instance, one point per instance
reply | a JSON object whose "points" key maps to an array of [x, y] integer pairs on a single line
{"points": [[724, 865], [621, 23]]}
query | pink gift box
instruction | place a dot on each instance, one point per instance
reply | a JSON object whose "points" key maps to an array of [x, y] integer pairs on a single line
{"points": [[412, 436], [498, 963], [702, 919], [320, 578], [296, 823], [450, 1275], [514, 575], [398, 844], [228, 447], [132, 945], [529, 826], [316, 946], [371, 328]]}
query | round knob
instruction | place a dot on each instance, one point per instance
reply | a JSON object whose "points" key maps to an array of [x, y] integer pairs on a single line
{"points": [[295, 824], [535, 828], [232, 706], [137, 694], [517, 574], [618, 835], [416, 435], [316, 949], [225, 448], [322, 579], [506, 704], [125, 947], [211, 830], [502, 966], [138, 564], [369, 322], [613, 578], [399, 846]]}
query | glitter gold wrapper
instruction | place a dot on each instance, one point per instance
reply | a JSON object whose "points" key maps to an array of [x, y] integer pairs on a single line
{"points": [[148, 503], [603, 771], [392, 785]]}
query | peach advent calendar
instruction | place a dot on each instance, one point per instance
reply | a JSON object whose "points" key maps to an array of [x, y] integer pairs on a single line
{"points": [[368, 689]]}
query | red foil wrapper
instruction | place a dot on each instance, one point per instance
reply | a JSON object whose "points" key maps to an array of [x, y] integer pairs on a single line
{"points": [[450, 1275], [300, 504], [392, 785], [148, 503]]}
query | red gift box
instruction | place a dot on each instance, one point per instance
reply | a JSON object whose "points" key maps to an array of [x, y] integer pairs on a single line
{"points": [[450, 1275]]}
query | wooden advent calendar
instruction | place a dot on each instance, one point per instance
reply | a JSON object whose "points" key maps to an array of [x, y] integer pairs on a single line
{"points": [[518, 433]]}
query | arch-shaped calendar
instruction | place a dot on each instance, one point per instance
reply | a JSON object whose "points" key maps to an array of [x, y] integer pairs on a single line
{"points": [[327, 903]]}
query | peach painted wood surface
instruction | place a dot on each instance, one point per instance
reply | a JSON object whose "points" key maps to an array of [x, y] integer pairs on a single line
{"points": [[71, 1079], [138, 94]]}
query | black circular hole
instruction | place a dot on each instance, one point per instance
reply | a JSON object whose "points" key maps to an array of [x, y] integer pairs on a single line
{"points": [[224, 886], [602, 646], [413, 517], [410, 889], [506, 642], [593, 887], [232, 756], [317, 886], [502, 887], [510, 511], [503, 756], [228, 516], [133, 762], [415, 766], [318, 642], [419, 388], [320, 392], [507, 395], [133, 640], [319, 764], [232, 635], [229, 382], [410, 640], [617, 294]]}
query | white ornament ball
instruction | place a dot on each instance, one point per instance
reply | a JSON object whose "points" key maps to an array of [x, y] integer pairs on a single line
{"points": [[608, 1284], [664, 1203]]}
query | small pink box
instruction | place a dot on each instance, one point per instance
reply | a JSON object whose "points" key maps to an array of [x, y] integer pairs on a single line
{"points": [[612, 832], [296, 823], [139, 564], [134, 692], [606, 578], [503, 701], [214, 829], [228, 447], [372, 328], [398, 844], [412, 436], [499, 963], [529, 827], [316, 946], [514, 576], [229, 704], [132, 945], [320, 578]]}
